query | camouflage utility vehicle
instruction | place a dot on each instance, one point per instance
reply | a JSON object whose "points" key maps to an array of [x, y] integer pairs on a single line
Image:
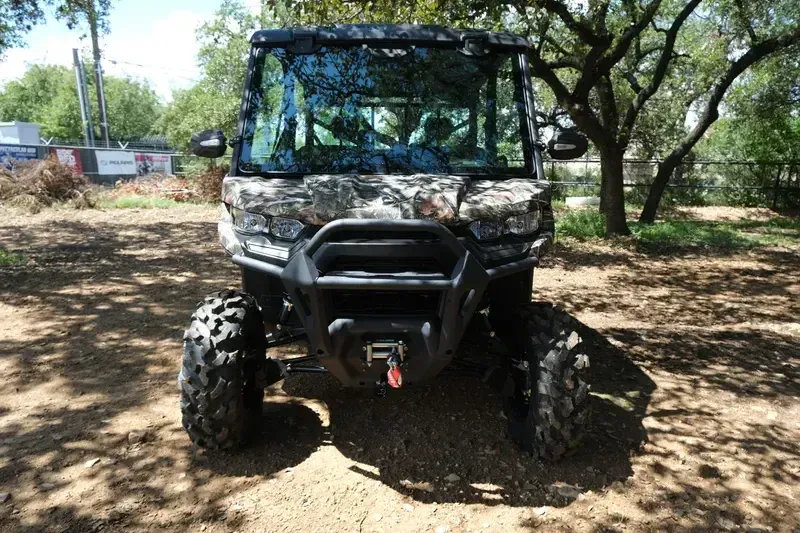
{"points": [[386, 203]]}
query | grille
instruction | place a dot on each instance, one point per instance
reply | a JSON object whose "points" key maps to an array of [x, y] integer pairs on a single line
{"points": [[347, 304], [379, 265]]}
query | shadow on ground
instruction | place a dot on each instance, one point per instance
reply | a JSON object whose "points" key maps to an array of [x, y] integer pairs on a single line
{"points": [[413, 439], [94, 320], [92, 329]]}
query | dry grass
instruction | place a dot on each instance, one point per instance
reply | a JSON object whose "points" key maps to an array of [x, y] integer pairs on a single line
{"points": [[208, 183], [155, 186], [41, 183]]}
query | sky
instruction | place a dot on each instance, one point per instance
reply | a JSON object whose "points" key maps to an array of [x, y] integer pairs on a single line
{"points": [[149, 39]]}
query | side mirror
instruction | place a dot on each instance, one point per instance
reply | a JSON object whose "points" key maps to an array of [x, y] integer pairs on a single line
{"points": [[208, 143], [567, 144]]}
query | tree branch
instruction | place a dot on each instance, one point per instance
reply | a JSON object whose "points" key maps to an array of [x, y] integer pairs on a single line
{"points": [[581, 27], [633, 82], [748, 25], [658, 75], [624, 42], [608, 105], [565, 62], [709, 114], [580, 112], [711, 109], [598, 65]]}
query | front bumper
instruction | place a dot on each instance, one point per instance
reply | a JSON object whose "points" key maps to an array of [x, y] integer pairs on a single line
{"points": [[316, 281]]}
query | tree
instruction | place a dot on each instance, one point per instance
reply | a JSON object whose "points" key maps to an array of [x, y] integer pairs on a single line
{"points": [[46, 95], [214, 102], [762, 124], [16, 18], [754, 35], [19, 16], [134, 108]]}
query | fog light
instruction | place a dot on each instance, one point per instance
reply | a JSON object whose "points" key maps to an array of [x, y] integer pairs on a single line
{"points": [[286, 228], [524, 224], [485, 230], [248, 222]]}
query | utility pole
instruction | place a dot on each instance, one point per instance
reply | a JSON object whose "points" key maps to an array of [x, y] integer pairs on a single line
{"points": [[98, 72], [86, 112]]}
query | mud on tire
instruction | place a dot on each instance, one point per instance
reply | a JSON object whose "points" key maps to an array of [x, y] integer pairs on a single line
{"points": [[547, 396], [223, 352]]}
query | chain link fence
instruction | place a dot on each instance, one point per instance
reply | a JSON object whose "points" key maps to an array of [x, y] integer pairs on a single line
{"points": [[774, 185], [155, 143]]}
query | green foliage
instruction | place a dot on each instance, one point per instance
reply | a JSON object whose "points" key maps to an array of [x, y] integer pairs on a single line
{"points": [[588, 224], [17, 17], [581, 224], [10, 258], [133, 107], [78, 12], [136, 202], [46, 95], [672, 234], [214, 102], [762, 125]]}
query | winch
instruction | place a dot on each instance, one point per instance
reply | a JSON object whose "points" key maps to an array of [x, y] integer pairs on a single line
{"points": [[383, 350], [394, 352]]}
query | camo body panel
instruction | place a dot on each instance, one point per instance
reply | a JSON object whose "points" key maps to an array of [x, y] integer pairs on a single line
{"points": [[498, 200], [287, 198], [445, 199]]}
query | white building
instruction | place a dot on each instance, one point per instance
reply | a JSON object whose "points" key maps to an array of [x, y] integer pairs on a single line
{"points": [[19, 133]]}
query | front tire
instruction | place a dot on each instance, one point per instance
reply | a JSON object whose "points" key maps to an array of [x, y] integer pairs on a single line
{"points": [[223, 351], [547, 394]]}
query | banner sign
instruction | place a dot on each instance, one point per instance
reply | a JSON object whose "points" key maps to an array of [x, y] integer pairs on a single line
{"points": [[70, 157], [153, 164], [117, 163], [11, 153]]}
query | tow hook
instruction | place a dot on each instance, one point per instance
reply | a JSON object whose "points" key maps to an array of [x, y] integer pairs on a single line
{"points": [[394, 376]]}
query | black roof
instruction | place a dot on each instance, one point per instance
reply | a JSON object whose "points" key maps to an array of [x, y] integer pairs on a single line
{"points": [[387, 33]]}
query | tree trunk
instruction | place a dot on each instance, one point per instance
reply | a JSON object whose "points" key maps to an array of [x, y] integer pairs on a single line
{"points": [[611, 164], [603, 206], [665, 170], [98, 73]]}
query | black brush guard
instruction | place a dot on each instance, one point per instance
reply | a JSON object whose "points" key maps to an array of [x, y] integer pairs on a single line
{"points": [[312, 281]]}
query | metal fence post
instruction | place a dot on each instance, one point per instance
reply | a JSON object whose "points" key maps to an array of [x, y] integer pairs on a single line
{"points": [[777, 188]]}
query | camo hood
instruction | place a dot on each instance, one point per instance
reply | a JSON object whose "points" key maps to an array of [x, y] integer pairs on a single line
{"points": [[445, 199]]}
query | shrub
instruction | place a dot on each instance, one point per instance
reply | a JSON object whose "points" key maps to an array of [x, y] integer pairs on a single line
{"points": [[581, 224], [173, 188], [208, 183], [36, 184]]}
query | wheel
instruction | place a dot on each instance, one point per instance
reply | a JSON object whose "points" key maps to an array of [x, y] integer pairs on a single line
{"points": [[547, 394], [223, 354]]}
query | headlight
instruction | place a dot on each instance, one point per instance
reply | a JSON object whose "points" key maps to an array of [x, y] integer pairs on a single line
{"points": [[285, 228], [248, 222], [524, 224], [485, 230]]}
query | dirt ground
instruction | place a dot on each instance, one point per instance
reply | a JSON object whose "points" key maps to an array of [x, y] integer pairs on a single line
{"points": [[696, 383]]}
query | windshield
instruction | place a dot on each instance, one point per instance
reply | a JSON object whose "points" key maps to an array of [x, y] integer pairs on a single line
{"points": [[385, 111]]}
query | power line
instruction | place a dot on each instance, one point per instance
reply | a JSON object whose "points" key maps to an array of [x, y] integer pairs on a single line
{"points": [[164, 69]]}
